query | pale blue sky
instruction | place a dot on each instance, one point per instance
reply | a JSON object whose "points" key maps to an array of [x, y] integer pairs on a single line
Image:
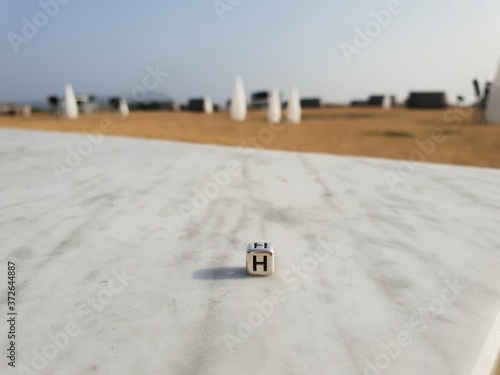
{"points": [[103, 47]]}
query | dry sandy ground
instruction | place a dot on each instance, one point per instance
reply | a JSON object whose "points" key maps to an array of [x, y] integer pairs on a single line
{"points": [[445, 136]]}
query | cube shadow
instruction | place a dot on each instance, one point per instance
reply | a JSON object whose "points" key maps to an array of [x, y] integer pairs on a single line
{"points": [[221, 273]]}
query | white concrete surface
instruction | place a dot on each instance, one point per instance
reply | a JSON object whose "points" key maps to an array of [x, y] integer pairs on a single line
{"points": [[367, 281]]}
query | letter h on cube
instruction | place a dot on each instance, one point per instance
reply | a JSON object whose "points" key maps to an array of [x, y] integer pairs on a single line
{"points": [[260, 258]]}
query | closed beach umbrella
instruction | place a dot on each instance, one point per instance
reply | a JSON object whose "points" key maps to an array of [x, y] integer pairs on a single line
{"points": [[71, 109], [238, 109], [274, 107], [294, 111], [493, 105]]}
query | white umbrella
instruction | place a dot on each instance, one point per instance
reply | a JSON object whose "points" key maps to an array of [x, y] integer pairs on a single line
{"points": [[208, 107], [123, 107], [294, 111], [387, 102], [274, 107], [238, 109], [493, 105], [70, 107]]}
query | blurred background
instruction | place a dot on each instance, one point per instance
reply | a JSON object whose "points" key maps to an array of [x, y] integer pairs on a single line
{"points": [[346, 57]]}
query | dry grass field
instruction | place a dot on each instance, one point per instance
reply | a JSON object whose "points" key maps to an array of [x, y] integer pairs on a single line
{"points": [[345, 131]]}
